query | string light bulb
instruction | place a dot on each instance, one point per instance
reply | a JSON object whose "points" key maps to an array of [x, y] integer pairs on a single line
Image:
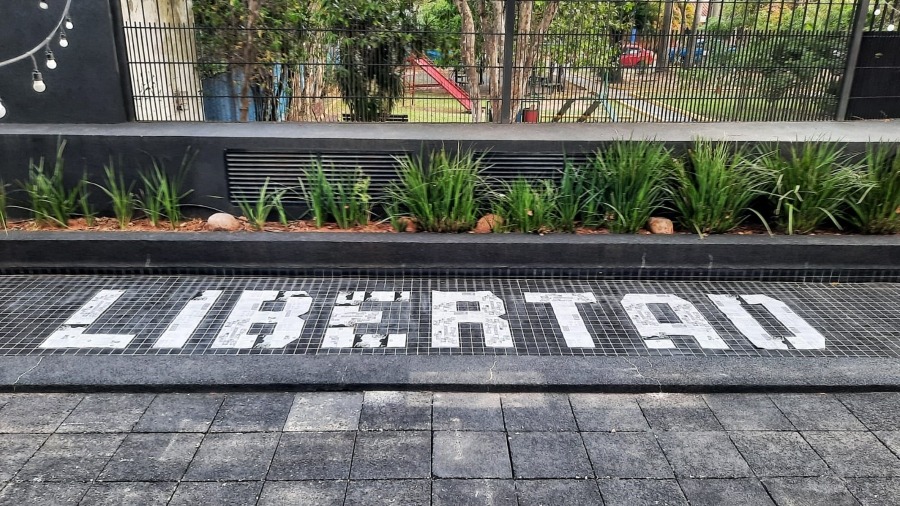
{"points": [[51, 61], [63, 40], [69, 24], [43, 5], [38, 82], [2, 110]]}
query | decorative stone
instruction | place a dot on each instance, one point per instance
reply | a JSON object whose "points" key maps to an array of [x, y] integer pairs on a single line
{"points": [[660, 226], [487, 223], [408, 224], [223, 221]]}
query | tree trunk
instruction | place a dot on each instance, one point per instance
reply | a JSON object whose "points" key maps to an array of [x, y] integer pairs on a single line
{"points": [[467, 45], [249, 57]]}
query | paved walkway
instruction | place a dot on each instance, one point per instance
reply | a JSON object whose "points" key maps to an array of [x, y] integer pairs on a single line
{"points": [[410, 448]]}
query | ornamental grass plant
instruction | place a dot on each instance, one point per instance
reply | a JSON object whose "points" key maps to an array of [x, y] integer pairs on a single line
{"points": [[527, 208], [876, 209], [342, 197], [49, 200], [162, 194], [121, 196], [809, 185], [442, 197], [714, 187], [630, 181], [257, 211]]}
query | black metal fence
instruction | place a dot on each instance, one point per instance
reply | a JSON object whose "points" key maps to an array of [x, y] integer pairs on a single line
{"points": [[448, 61]]}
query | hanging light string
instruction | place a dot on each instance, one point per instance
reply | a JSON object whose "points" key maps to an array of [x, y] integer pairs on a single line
{"points": [[43, 43], [37, 79]]}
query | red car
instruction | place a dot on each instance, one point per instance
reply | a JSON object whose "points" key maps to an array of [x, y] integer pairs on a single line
{"points": [[636, 56]]}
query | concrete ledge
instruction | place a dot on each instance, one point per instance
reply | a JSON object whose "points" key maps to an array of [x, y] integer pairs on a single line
{"points": [[304, 252], [463, 373]]}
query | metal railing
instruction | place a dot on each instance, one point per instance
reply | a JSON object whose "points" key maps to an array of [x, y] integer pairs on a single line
{"points": [[514, 60]]}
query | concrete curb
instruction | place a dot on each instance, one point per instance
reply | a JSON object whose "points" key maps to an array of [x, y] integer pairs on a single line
{"points": [[447, 373], [304, 252]]}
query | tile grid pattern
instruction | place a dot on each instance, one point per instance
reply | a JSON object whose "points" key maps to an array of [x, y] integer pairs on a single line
{"points": [[349, 448], [857, 320]]}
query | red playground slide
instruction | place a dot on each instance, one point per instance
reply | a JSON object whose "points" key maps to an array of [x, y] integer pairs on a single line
{"points": [[451, 87]]}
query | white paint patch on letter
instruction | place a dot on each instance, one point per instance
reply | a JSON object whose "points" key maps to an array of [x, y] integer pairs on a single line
{"points": [[571, 323], [749, 327], [445, 318], [346, 315], [71, 333], [654, 333], [805, 336], [249, 310], [187, 320]]}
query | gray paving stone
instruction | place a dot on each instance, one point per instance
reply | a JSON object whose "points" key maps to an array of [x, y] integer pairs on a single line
{"points": [[128, 494], [778, 454], [29, 493], [854, 454], [106, 413], [225, 457], [180, 413], [537, 412], [383, 492], [15, 450], [390, 454], [558, 493], [679, 412], [641, 492], [464, 454], [303, 493], [626, 455], [738, 492], [703, 455], [875, 491], [36, 413], [69, 457], [313, 456], [549, 455], [809, 491], [152, 457], [816, 412], [253, 412], [747, 412], [218, 493], [891, 439], [385, 410], [323, 411], [608, 412], [473, 493], [467, 411], [877, 410]]}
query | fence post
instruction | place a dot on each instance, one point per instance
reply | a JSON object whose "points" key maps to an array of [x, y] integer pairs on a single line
{"points": [[508, 40], [859, 25], [118, 23]]}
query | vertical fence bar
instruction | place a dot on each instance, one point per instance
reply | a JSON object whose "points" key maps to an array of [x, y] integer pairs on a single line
{"points": [[508, 39], [115, 10], [859, 24]]}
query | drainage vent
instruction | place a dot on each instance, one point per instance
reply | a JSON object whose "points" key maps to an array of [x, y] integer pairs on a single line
{"points": [[248, 170]]}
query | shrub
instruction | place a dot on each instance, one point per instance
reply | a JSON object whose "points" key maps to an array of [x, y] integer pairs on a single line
{"points": [[122, 197], [712, 193], [573, 198], [49, 199], [161, 196], [629, 182], [258, 211], [876, 209], [441, 199], [809, 185], [527, 208], [344, 197]]}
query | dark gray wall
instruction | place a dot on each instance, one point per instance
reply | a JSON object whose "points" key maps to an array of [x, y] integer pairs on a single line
{"points": [[84, 88]]}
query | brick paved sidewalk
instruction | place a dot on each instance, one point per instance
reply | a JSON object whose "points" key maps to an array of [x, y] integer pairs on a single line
{"points": [[411, 448]]}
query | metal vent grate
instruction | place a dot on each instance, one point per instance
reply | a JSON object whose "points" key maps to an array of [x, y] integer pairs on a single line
{"points": [[248, 170]]}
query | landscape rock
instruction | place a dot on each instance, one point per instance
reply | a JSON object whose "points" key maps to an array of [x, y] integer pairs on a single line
{"points": [[660, 226], [408, 224], [223, 221], [487, 223]]}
